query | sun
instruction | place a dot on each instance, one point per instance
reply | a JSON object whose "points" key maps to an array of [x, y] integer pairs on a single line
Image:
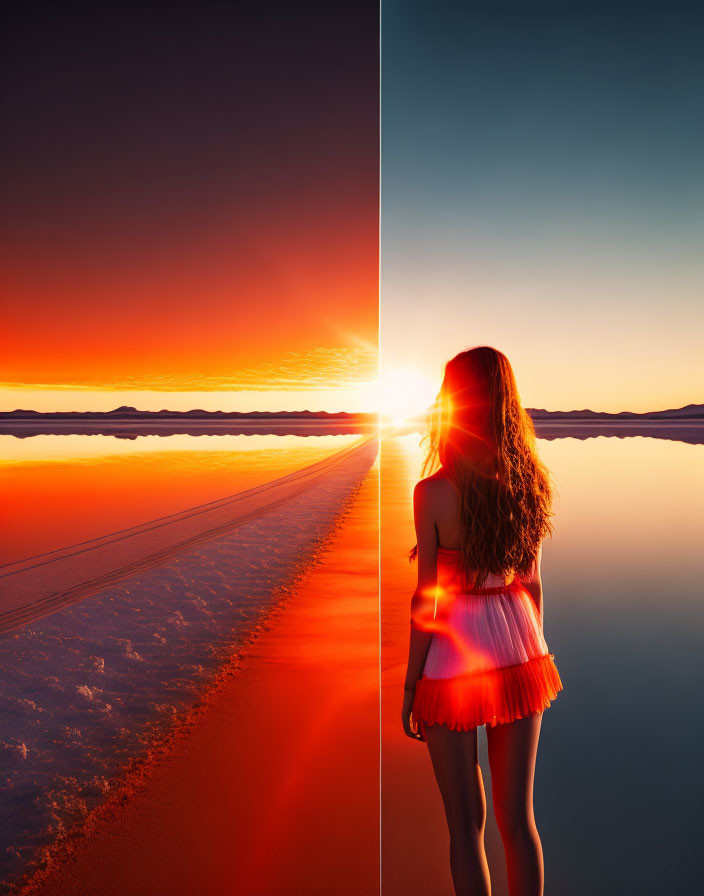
{"points": [[404, 395]]}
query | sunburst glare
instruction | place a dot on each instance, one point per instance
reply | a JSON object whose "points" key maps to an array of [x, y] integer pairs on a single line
{"points": [[404, 395]]}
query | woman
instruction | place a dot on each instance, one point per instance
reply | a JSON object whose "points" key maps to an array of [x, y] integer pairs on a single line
{"points": [[477, 652]]}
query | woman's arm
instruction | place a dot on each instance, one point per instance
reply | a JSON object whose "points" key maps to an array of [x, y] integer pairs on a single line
{"points": [[423, 601], [534, 585]]}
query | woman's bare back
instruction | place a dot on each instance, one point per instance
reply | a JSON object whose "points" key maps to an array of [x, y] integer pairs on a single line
{"points": [[445, 504]]}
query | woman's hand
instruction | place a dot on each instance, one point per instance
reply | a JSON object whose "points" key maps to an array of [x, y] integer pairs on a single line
{"points": [[409, 726]]}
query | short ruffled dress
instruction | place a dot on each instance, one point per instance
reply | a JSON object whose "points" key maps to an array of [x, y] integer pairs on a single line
{"points": [[488, 662]]}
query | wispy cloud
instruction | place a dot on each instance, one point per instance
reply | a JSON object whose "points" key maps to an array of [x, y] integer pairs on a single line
{"points": [[332, 368]]}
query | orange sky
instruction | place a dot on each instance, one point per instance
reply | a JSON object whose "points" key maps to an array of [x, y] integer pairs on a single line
{"points": [[197, 213], [220, 305]]}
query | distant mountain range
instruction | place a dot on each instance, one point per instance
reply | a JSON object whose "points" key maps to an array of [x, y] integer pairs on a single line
{"points": [[690, 412], [129, 413]]}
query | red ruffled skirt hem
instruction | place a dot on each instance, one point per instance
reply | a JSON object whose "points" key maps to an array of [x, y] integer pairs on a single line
{"points": [[488, 698]]}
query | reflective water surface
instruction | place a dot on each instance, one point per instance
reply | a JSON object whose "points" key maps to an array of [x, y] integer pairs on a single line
{"points": [[619, 779], [58, 490]]}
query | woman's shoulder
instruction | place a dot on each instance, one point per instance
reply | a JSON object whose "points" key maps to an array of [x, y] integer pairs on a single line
{"points": [[436, 487]]}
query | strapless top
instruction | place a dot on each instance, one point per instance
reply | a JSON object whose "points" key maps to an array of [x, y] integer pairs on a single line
{"points": [[451, 578]]}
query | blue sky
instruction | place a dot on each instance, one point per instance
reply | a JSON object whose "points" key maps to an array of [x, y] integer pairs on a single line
{"points": [[543, 191]]}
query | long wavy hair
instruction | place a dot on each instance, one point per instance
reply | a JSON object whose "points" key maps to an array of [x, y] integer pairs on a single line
{"points": [[478, 431]]}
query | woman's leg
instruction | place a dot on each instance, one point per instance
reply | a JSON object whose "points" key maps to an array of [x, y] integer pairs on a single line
{"points": [[512, 752], [456, 766]]}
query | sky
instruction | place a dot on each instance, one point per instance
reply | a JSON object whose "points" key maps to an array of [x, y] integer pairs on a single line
{"points": [[191, 203], [542, 191], [190, 198]]}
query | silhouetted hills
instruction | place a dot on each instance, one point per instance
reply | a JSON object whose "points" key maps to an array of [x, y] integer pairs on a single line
{"points": [[689, 412], [125, 412], [129, 413]]}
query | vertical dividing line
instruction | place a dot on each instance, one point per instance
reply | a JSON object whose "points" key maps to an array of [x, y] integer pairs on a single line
{"points": [[378, 392]]}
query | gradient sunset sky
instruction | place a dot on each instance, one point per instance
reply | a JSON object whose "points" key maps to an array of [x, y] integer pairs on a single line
{"points": [[190, 205], [543, 192]]}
